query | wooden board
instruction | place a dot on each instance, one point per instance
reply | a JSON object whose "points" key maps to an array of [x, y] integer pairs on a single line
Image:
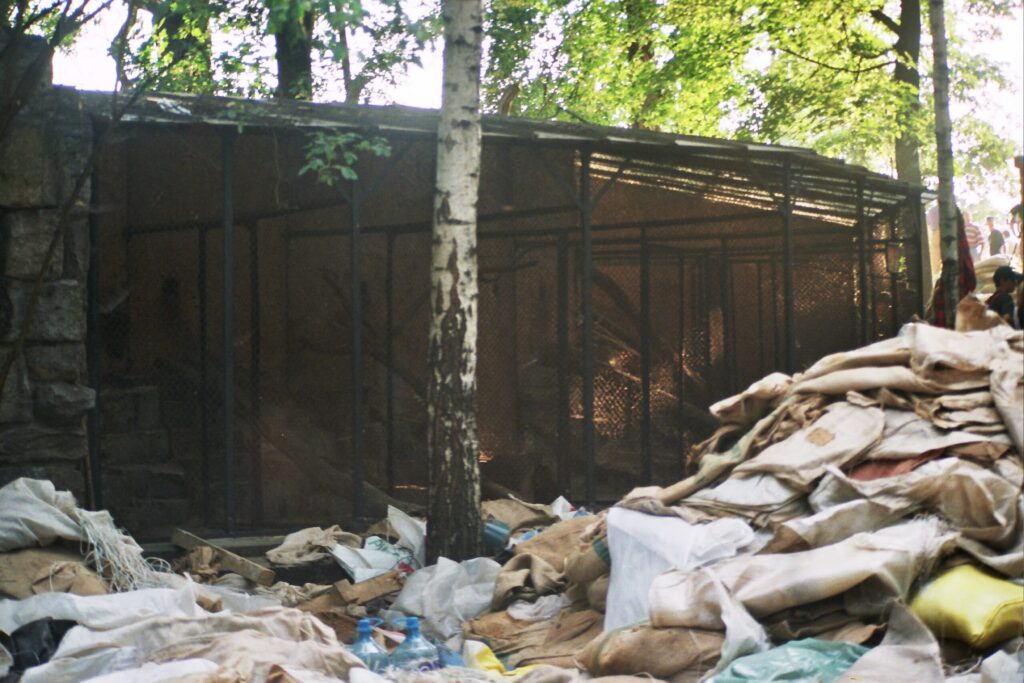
{"points": [[364, 591], [228, 560]]}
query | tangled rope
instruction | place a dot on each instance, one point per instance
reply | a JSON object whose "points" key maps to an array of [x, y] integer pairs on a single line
{"points": [[116, 556]]}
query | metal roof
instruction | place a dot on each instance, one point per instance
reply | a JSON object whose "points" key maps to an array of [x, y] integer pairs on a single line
{"points": [[743, 173]]}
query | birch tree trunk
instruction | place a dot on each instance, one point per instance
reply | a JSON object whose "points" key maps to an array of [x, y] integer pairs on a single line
{"points": [[454, 526], [944, 149]]}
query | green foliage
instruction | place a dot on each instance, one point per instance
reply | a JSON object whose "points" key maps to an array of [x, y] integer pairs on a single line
{"points": [[332, 156], [816, 73]]}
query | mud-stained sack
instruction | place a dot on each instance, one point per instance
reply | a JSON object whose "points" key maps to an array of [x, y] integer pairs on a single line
{"points": [[597, 593], [588, 561], [969, 605], [661, 652]]}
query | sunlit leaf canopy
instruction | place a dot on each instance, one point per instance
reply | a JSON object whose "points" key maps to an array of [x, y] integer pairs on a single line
{"points": [[817, 73]]}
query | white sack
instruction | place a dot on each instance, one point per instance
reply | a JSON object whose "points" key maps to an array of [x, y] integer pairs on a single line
{"points": [[33, 513], [907, 654], [1008, 393], [704, 602], [449, 593], [765, 584], [842, 434], [100, 611], [893, 351], [935, 349], [642, 546], [893, 377], [310, 545], [830, 526], [978, 502], [543, 608], [157, 639], [907, 435], [154, 673], [411, 532], [754, 402], [751, 495]]}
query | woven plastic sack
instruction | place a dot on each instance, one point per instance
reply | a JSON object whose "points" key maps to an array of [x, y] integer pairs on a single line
{"points": [[969, 605], [809, 659]]}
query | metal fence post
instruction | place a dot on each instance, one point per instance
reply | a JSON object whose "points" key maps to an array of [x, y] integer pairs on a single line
{"points": [[228, 168], [589, 437]]}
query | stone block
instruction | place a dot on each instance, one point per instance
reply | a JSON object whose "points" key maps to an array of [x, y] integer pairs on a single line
{"points": [[59, 316], [56, 362], [28, 173], [16, 398], [76, 250], [62, 403], [125, 448], [35, 443], [31, 54], [25, 238], [64, 476]]}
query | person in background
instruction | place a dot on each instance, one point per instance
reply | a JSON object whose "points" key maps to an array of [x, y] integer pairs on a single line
{"points": [[1006, 280], [975, 240], [996, 239], [936, 312]]}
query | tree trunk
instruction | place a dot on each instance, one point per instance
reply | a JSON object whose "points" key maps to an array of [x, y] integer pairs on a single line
{"points": [[454, 526], [293, 42], [944, 148], [908, 164]]}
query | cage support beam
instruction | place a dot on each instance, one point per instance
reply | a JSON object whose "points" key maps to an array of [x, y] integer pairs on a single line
{"points": [[564, 409], [358, 466], [645, 360], [389, 354], [254, 375], [862, 266], [228, 177], [589, 435], [92, 346], [789, 317], [204, 400]]}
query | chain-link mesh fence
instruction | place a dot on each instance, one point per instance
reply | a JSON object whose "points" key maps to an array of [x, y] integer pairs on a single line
{"points": [[709, 321]]}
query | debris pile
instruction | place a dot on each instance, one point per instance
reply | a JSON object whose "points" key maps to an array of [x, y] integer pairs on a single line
{"points": [[860, 521]]}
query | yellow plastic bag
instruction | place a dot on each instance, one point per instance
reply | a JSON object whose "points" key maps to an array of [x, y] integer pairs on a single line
{"points": [[969, 605], [480, 657]]}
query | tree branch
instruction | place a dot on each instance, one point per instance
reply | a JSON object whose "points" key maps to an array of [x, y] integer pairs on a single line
{"points": [[885, 20], [844, 69]]}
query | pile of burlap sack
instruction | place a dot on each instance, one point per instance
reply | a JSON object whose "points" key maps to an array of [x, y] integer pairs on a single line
{"points": [[824, 506], [860, 521]]}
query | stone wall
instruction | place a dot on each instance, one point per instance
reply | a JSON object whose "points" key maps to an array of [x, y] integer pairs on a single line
{"points": [[45, 399]]}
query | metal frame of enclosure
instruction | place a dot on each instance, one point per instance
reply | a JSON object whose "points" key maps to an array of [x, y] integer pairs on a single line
{"points": [[773, 231]]}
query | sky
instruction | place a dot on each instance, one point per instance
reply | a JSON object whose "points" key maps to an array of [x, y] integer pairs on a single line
{"points": [[88, 66]]}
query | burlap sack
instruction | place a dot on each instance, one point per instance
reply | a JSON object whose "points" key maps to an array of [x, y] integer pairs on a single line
{"points": [[661, 652], [597, 592], [557, 541], [525, 577], [588, 561]]}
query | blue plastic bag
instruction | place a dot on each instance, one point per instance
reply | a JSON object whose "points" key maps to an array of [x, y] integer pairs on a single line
{"points": [[809, 660]]}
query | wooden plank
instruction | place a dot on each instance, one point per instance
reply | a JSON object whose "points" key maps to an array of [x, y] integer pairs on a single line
{"points": [[228, 560], [364, 591]]}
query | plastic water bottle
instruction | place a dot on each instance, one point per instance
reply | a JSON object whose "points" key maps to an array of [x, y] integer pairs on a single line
{"points": [[415, 653], [366, 648]]}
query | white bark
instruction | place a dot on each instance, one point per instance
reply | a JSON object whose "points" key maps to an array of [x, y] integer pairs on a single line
{"points": [[944, 148], [454, 523]]}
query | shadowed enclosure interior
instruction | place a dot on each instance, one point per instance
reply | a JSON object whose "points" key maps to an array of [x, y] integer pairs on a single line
{"points": [[262, 336]]}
